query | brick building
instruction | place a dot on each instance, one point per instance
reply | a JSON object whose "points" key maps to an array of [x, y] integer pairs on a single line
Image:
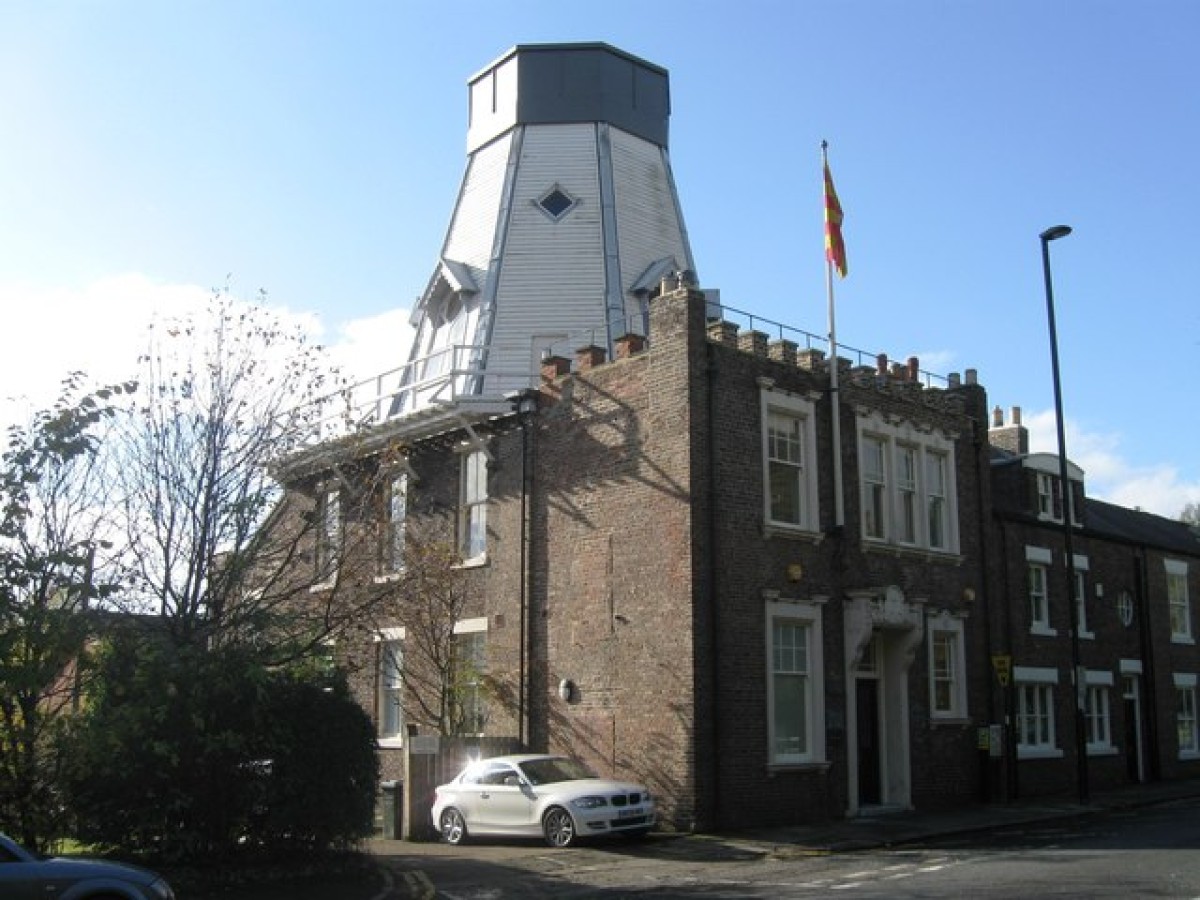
{"points": [[681, 549], [1135, 575], [657, 584]]}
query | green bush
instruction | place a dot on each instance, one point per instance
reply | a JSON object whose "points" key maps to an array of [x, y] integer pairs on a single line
{"points": [[191, 753], [319, 787]]}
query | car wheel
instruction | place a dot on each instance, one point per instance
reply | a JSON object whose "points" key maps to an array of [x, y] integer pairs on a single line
{"points": [[558, 827], [453, 826]]}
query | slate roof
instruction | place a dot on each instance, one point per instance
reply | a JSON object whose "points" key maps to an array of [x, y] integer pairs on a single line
{"points": [[1141, 527]]}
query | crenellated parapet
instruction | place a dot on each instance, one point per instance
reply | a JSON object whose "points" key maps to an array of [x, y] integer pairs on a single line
{"points": [[781, 345]]}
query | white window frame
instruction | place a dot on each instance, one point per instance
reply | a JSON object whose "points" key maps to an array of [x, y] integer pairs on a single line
{"points": [[1179, 604], [1097, 712], [1052, 500], [908, 498], [1125, 608], [882, 490], [1187, 726], [1036, 684], [476, 626], [390, 646], [874, 487], [1039, 559], [809, 616], [395, 525], [802, 412], [1079, 573], [438, 372], [937, 499], [946, 626], [328, 536], [1049, 496], [473, 506]]}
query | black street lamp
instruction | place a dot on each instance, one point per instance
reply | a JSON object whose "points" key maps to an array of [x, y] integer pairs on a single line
{"points": [[1077, 672]]}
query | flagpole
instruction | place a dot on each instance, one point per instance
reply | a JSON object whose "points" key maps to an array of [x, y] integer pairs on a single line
{"points": [[839, 506]]}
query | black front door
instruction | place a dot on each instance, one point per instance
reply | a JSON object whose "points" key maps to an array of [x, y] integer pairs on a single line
{"points": [[867, 692], [1132, 745]]}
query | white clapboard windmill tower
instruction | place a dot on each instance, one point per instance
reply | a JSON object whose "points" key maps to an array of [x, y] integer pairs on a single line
{"points": [[566, 224]]}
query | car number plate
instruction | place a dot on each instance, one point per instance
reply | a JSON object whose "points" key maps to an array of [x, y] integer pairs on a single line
{"points": [[630, 813]]}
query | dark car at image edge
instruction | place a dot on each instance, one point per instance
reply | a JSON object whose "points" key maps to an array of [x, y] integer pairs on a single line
{"points": [[26, 876]]}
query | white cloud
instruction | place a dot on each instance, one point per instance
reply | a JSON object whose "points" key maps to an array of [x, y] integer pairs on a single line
{"points": [[366, 348], [937, 361], [1156, 488], [101, 329]]}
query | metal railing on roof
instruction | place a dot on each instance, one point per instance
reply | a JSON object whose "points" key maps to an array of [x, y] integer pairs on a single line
{"points": [[474, 372], [809, 341], [441, 380]]}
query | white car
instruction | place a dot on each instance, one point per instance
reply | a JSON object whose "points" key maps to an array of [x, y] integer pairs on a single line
{"points": [[24, 876], [531, 795]]}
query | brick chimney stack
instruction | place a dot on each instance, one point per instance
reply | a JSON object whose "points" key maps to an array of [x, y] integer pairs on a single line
{"points": [[1013, 437]]}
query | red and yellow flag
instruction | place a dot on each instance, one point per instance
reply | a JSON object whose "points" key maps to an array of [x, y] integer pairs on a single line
{"points": [[835, 247]]}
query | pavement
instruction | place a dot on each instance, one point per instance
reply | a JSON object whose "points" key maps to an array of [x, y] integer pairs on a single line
{"points": [[404, 875], [875, 829]]}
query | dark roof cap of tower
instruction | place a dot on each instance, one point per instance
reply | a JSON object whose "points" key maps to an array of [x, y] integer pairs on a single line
{"points": [[548, 84]]}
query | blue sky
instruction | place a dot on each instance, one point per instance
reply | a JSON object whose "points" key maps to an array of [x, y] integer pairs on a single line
{"points": [[150, 150]]}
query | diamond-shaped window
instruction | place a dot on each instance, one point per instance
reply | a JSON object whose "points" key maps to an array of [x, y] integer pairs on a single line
{"points": [[557, 203]]}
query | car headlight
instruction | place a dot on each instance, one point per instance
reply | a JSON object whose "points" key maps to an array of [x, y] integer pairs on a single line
{"points": [[589, 802]]}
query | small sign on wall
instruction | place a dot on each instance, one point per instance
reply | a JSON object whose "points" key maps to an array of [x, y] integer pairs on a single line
{"points": [[1002, 664]]}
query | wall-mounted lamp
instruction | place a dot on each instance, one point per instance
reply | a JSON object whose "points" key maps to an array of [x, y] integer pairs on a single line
{"points": [[523, 402], [968, 595], [795, 572], [566, 690]]}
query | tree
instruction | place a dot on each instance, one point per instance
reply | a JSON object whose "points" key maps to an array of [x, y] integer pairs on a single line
{"points": [[441, 671], [316, 794], [1191, 514], [211, 543], [203, 753], [52, 531], [218, 564]]}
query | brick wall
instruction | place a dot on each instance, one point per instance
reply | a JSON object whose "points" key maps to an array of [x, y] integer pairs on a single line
{"points": [[1141, 648], [634, 558]]}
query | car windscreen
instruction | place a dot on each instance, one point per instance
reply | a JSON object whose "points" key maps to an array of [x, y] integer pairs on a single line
{"points": [[548, 771]]}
